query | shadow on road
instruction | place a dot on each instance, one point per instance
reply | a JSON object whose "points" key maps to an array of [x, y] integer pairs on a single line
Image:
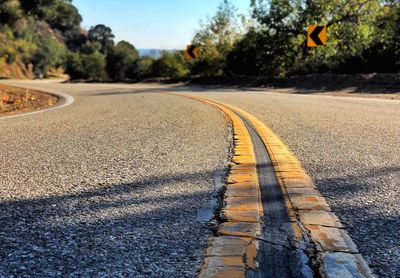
{"points": [[375, 230], [158, 89], [129, 229]]}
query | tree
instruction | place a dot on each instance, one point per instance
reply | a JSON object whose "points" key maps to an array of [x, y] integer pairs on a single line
{"points": [[65, 17], [244, 58], [383, 55], [38, 8], [216, 39], [86, 66], [49, 54], [121, 61], [279, 43], [144, 66], [10, 12], [102, 34], [94, 66], [73, 65], [170, 64]]}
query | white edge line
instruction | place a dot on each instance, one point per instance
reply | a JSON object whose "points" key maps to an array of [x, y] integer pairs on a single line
{"points": [[68, 100]]}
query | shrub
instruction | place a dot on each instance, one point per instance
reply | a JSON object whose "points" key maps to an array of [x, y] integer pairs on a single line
{"points": [[171, 64], [94, 66], [144, 66], [121, 61]]}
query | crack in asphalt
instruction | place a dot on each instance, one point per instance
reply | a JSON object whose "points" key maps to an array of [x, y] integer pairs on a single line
{"points": [[283, 261]]}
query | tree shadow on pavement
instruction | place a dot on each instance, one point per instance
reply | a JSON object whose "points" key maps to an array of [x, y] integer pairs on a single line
{"points": [[311, 83], [158, 89], [374, 223], [138, 229]]}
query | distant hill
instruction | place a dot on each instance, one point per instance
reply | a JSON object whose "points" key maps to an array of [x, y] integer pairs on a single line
{"points": [[155, 53]]}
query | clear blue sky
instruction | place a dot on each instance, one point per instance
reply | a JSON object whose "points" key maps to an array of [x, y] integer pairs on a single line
{"points": [[161, 24]]}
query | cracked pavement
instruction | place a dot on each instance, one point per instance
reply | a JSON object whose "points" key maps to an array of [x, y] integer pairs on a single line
{"points": [[109, 186]]}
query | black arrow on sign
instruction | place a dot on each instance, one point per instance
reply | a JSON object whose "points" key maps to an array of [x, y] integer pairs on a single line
{"points": [[315, 35], [190, 51]]}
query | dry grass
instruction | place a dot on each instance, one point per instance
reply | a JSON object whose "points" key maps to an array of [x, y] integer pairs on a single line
{"points": [[15, 100]]}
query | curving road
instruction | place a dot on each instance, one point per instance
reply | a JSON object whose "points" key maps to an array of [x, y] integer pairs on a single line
{"points": [[351, 149], [111, 185]]}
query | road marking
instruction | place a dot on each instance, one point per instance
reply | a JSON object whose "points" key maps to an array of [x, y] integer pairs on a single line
{"points": [[248, 242], [65, 100]]}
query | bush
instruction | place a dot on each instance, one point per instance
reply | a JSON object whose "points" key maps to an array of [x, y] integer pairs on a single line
{"points": [[171, 64], [73, 65], [144, 67], [209, 66], [50, 53], [10, 12], [94, 66], [86, 66], [121, 61], [216, 39], [244, 59]]}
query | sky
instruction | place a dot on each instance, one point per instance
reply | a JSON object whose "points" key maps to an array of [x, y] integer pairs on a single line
{"points": [[159, 24]]}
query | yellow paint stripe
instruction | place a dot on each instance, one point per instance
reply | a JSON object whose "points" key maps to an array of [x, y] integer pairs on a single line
{"points": [[243, 205], [303, 202]]}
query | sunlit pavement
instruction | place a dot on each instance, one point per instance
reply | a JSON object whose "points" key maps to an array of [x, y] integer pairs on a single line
{"points": [[112, 183]]}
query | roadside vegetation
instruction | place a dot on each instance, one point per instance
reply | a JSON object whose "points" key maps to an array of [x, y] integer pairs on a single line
{"points": [[43, 36], [15, 100]]}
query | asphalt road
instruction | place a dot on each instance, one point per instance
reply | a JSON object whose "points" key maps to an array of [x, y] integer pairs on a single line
{"points": [[351, 149], [111, 184]]}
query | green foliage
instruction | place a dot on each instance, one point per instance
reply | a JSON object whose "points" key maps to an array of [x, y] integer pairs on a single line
{"points": [[7, 46], [49, 54], [74, 65], [363, 36], [94, 66], [35, 31], [102, 34], [278, 46], [144, 67], [171, 64], [244, 58], [216, 39], [26, 50], [86, 66], [384, 52], [10, 12], [90, 47], [13, 49], [121, 61], [59, 14]]}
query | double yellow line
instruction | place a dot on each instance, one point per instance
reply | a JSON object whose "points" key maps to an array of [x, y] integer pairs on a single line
{"points": [[233, 250]]}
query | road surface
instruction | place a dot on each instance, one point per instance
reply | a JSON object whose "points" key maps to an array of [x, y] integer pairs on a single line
{"points": [[111, 185]]}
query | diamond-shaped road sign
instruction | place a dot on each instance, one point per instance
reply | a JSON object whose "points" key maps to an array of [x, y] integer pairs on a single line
{"points": [[316, 35], [192, 52]]}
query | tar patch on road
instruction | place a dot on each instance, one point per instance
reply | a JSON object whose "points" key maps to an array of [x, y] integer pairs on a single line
{"points": [[277, 251]]}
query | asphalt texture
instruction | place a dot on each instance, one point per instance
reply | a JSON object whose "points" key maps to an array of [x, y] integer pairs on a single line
{"points": [[109, 186], [351, 149]]}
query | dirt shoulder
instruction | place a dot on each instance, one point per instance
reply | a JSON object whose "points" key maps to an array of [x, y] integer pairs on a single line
{"points": [[15, 100]]}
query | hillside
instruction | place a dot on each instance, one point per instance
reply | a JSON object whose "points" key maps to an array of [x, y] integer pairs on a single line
{"points": [[35, 35]]}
